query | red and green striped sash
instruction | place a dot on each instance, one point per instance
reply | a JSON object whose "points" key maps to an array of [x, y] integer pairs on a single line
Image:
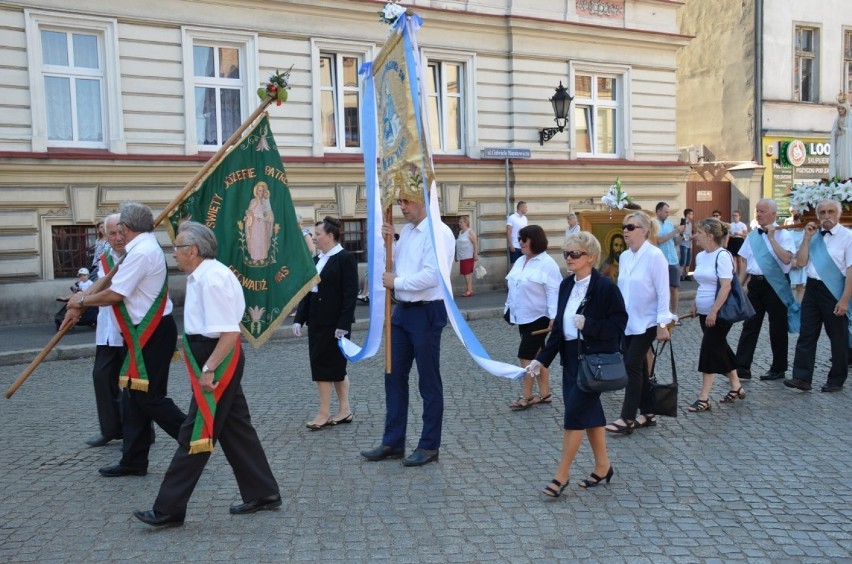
{"points": [[133, 372], [202, 432]]}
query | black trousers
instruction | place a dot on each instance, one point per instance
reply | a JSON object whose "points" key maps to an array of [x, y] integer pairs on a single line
{"points": [[139, 409], [637, 394], [818, 310], [233, 431], [765, 302], [108, 362]]}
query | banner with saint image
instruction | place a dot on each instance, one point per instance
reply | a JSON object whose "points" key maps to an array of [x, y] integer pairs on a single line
{"points": [[245, 200]]}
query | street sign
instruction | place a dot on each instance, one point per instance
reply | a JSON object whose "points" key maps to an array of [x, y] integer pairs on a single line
{"points": [[500, 153]]}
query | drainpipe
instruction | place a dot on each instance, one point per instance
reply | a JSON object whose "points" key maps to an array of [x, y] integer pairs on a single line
{"points": [[758, 81]]}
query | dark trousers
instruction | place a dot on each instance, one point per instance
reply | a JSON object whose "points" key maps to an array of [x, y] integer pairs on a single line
{"points": [[637, 394], [818, 310], [515, 255], [233, 431], [765, 301], [108, 362], [139, 409], [416, 336]]}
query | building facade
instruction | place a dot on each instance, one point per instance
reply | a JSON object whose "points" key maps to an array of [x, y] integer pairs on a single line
{"points": [[104, 102], [760, 80]]}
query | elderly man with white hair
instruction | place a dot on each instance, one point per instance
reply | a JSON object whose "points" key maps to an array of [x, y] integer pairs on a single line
{"points": [[828, 256]]}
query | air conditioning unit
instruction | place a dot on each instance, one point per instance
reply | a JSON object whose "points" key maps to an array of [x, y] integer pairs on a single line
{"points": [[694, 154]]}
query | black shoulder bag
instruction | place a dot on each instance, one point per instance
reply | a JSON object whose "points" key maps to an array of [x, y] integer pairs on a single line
{"points": [[602, 372], [664, 396]]}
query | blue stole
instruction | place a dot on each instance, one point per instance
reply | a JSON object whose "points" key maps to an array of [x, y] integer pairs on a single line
{"points": [[830, 274], [775, 276]]}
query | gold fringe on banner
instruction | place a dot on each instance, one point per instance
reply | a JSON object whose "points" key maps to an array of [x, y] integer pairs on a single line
{"points": [[139, 385], [201, 445]]}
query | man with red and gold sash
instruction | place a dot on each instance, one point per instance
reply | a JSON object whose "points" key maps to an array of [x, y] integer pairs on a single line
{"points": [[139, 295], [218, 411]]}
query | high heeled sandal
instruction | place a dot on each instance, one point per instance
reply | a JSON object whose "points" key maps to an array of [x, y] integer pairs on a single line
{"points": [[733, 396], [699, 406], [596, 480], [650, 421], [550, 492]]}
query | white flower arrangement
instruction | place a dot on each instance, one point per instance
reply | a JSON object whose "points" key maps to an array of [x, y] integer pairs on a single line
{"points": [[805, 197], [391, 12], [615, 196]]}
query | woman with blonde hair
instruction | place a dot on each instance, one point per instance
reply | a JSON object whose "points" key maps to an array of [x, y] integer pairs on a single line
{"points": [[644, 283], [590, 318], [714, 268]]}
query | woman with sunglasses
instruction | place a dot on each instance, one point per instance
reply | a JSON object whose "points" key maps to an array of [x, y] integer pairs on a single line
{"points": [[643, 278], [531, 304], [590, 315]]}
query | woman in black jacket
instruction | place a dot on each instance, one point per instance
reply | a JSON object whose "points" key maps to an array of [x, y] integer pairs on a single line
{"points": [[591, 314], [329, 310]]}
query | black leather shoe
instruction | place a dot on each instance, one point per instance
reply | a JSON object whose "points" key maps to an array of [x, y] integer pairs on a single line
{"points": [[743, 374], [118, 470], [831, 388], [798, 384], [421, 456], [264, 503], [772, 376], [382, 452], [99, 440], [157, 519]]}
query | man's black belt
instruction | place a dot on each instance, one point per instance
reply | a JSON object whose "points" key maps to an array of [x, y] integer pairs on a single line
{"points": [[762, 277], [420, 303], [201, 339]]}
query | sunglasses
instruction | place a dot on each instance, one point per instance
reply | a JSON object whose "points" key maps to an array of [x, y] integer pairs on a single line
{"points": [[629, 227], [521, 240], [574, 254]]}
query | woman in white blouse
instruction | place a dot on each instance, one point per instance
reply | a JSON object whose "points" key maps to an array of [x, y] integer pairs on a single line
{"points": [[531, 305], [714, 268], [643, 278]]}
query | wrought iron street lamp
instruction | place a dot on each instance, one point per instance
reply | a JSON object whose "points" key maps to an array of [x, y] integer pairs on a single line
{"points": [[561, 106]]}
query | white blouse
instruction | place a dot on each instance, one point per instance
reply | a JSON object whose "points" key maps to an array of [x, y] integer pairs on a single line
{"points": [[643, 278], [575, 298], [533, 288]]}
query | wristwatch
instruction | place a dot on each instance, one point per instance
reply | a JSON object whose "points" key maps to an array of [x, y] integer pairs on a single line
{"points": [[80, 301], [664, 325], [205, 369]]}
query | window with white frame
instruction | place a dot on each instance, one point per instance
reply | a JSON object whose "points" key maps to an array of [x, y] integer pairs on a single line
{"points": [[445, 98], [74, 82], [806, 64], [219, 68], [340, 101], [598, 114], [847, 61]]}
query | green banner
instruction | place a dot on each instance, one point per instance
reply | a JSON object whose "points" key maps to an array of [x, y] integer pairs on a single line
{"points": [[246, 202]]}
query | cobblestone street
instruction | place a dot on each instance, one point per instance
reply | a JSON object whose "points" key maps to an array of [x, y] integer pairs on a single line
{"points": [[764, 479]]}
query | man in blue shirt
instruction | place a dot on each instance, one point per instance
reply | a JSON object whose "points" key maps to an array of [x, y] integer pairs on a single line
{"points": [[667, 237]]}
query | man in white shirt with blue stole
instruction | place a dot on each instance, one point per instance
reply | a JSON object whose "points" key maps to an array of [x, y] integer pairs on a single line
{"points": [[827, 250], [418, 320]]}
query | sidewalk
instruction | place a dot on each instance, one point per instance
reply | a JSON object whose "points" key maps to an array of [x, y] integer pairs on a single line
{"points": [[20, 344]]}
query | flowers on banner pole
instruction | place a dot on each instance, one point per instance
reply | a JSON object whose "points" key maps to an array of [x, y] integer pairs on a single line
{"points": [[391, 12], [805, 197], [277, 87], [615, 197]]}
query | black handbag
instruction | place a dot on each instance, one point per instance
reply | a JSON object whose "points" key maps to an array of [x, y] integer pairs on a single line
{"points": [[664, 396], [737, 306], [602, 372], [506, 317]]}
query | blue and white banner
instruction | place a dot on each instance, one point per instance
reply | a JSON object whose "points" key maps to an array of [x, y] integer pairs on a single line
{"points": [[405, 140]]}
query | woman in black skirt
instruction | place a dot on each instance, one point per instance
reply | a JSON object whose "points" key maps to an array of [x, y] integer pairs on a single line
{"points": [[590, 313], [714, 265], [329, 310]]}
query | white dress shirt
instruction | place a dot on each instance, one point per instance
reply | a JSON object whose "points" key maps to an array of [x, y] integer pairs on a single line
{"points": [[418, 277], [214, 300], [782, 237], [141, 276], [643, 278], [517, 222], [323, 259], [533, 288], [575, 298], [839, 245], [107, 331]]}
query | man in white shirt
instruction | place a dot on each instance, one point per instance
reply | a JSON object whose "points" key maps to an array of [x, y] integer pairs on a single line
{"points": [[213, 309], [762, 295], [418, 320], [514, 224], [139, 292], [826, 300], [109, 347]]}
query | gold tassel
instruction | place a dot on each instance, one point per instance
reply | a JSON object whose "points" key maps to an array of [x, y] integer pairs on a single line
{"points": [[201, 445], [139, 384], [123, 381], [176, 356]]}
